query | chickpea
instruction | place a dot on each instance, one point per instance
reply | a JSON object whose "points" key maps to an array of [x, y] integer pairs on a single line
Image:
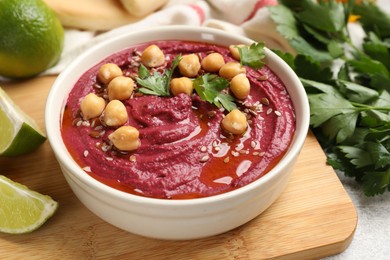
{"points": [[115, 113], [235, 122], [125, 138], [108, 71], [120, 88], [189, 65], [92, 106], [240, 86], [234, 51], [181, 85], [231, 69], [152, 56], [213, 62]]}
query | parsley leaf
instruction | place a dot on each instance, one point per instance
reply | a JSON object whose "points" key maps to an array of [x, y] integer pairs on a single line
{"points": [[376, 182], [288, 26], [379, 76], [252, 55], [327, 15], [358, 157], [373, 18], [157, 83], [209, 87]]}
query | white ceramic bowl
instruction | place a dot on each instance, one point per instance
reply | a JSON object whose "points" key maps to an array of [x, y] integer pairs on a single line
{"points": [[173, 219]]}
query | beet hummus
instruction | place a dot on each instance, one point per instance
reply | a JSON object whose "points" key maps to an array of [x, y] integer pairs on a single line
{"points": [[183, 151]]}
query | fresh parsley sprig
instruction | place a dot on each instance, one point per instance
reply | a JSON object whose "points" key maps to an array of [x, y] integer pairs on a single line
{"points": [[157, 83], [350, 102], [252, 55], [209, 88]]}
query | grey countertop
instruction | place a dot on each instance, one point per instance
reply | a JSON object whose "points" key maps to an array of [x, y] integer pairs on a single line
{"points": [[372, 236]]}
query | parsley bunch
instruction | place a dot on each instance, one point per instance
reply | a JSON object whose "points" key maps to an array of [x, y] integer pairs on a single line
{"points": [[348, 86]]}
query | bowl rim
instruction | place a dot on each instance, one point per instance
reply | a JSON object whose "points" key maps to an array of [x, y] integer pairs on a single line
{"points": [[65, 159]]}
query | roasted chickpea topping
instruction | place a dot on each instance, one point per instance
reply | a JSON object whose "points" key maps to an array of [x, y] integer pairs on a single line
{"points": [[92, 106], [120, 88], [235, 122], [240, 86], [181, 85], [231, 69], [189, 65], [234, 51], [108, 71], [115, 113], [213, 62], [125, 138], [152, 56]]}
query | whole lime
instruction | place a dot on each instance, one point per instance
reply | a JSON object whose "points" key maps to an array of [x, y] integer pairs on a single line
{"points": [[31, 38]]}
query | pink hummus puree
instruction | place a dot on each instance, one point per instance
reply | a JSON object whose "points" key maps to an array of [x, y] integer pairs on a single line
{"points": [[184, 153]]}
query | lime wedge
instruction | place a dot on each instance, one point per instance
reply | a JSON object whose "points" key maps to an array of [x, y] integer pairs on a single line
{"points": [[19, 134], [21, 209]]}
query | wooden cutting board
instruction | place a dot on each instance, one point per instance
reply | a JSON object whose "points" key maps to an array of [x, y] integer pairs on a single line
{"points": [[313, 218]]}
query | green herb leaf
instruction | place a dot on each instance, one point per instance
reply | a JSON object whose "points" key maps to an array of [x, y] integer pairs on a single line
{"points": [[290, 28], [373, 18], [209, 87], [327, 16], [358, 157], [287, 57], [357, 93], [157, 83], [252, 55], [377, 50], [307, 68], [373, 69], [143, 72], [376, 182], [153, 85]]}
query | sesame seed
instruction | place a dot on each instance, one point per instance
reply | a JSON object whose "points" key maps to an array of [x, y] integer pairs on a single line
{"points": [[94, 134], [255, 153], [269, 111], [261, 154], [86, 123], [217, 148], [203, 149], [205, 158], [277, 113], [253, 112], [265, 101], [85, 153], [109, 158], [132, 158], [235, 154], [226, 160], [253, 144], [262, 77], [87, 169], [138, 190], [211, 114]]}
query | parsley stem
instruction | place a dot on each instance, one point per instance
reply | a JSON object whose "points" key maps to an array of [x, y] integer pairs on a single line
{"points": [[363, 107]]}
